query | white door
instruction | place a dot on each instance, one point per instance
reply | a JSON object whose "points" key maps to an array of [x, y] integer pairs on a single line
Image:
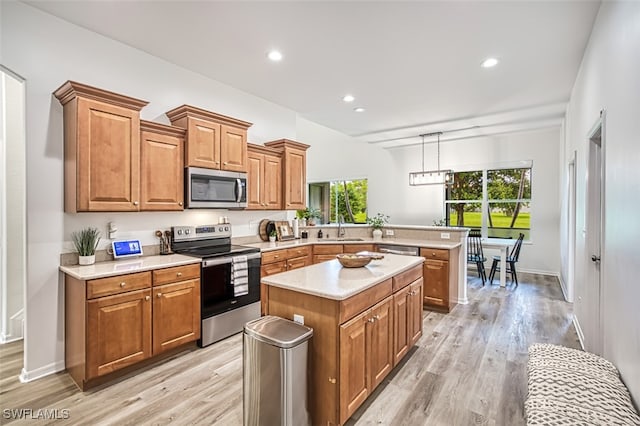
{"points": [[594, 238]]}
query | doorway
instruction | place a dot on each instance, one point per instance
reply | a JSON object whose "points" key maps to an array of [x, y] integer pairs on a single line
{"points": [[595, 236], [13, 247]]}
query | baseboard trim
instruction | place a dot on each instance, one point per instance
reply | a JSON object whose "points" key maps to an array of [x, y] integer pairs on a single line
{"points": [[579, 332], [563, 287], [38, 373], [8, 338]]}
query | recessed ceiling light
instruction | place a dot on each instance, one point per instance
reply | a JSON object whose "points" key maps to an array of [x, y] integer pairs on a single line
{"points": [[348, 98], [489, 62], [275, 56], [358, 109]]}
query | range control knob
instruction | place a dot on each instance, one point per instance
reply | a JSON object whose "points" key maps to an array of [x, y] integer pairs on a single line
{"points": [[179, 231], [187, 231], [226, 228], [220, 229]]}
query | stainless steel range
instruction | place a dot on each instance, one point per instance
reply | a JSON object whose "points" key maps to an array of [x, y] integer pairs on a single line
{"points": [[229, 279]]}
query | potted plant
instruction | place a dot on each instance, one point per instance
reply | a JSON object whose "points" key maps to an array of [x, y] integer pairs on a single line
{"points": [[302, 216], [272, 236], [377, 222], [86, 241], [313, 214]]}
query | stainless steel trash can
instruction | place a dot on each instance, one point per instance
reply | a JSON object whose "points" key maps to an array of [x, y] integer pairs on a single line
{"points": [[275, 372]]}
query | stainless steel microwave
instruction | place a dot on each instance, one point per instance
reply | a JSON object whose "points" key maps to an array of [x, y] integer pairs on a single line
{"points": [[211, 189]]}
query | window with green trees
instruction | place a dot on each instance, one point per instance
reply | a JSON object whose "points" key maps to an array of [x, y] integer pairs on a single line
{"points": [[340, 197], [501, 198]]}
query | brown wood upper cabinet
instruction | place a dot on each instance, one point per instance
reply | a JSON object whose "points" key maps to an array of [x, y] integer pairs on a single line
{"points": [[213, 141], [264, 178], [101, 149], [161, 167], [294, 180]]}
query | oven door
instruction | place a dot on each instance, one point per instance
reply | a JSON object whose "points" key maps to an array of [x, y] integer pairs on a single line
{"points": [[216, 290], [205, 188]]}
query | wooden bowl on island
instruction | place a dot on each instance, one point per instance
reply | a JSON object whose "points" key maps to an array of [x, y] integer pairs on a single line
{"points": [[353, 260]]}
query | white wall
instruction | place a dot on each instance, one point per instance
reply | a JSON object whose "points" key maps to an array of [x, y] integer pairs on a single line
{"points": [[48, 51], [14, 240], [421, 205], [608, 78]]}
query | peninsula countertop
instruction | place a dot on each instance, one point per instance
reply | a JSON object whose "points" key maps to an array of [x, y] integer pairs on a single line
{"points": [[118, 267], [435, 244], [332, 281]]}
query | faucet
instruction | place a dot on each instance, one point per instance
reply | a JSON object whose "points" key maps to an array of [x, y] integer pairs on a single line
{"points": [[340, 228]]}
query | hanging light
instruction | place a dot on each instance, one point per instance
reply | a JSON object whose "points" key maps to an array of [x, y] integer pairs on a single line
{"points": [[431, 177]]}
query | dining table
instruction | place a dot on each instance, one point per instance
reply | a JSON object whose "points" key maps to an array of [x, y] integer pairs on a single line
{"points": [[504, 245]]}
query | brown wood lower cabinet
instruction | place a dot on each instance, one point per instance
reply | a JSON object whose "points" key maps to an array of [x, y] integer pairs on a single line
{"points": [[440, 278], [354, 340], [115, 322]]}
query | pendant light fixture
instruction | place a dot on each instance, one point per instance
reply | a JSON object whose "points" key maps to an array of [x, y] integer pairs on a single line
{"points": [[431, 177]]}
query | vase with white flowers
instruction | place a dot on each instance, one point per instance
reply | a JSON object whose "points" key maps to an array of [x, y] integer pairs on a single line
{"points": [[377, 222], [86, 241]]}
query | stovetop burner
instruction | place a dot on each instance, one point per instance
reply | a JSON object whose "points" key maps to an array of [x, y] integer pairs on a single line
{"points": [[207, 241]]}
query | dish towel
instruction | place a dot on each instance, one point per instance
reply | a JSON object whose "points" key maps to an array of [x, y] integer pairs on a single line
{"points": [[240, 275]]}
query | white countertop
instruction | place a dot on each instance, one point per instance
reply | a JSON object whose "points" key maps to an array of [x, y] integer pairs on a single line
{"points": [[439, 244], [126, 266], [332, 281]]}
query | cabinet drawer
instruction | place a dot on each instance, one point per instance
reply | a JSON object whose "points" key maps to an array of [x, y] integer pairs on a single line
{"points": [[298, 252], [362, 301], [273, 268], [327, 249], [175, 274], [118, 284], [355, 248], [439, 254], [298, 262], [407, 277], [319, 258], [273, 256]]}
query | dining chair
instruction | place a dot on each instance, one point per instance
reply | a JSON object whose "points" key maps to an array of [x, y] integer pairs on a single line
{"points": [[512, 259], [475, 255]]}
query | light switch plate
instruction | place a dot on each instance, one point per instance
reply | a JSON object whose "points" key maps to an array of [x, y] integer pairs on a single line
{"points": [[298, 318], [445, 235]]}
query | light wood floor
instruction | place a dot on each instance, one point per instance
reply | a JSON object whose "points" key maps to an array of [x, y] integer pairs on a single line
{"points": [[468, 368]]}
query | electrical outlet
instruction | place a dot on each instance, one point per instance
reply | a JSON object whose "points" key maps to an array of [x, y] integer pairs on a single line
{"points": [[298, 318], [445, 236], [389, 232]]}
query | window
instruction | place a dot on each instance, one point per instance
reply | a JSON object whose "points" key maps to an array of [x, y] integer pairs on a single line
{"points": [[498, 199], [340, 197]]}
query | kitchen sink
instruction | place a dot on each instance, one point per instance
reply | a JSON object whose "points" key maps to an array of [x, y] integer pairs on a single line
{"points": [[342, 239]]}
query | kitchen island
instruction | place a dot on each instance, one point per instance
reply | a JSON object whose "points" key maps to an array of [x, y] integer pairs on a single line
{"points": [[365, 320]]}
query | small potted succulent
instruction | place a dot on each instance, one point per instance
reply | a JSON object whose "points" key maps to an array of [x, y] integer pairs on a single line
{"points": [[313, 215], [377, 222], [272, 236], [86, 241]]}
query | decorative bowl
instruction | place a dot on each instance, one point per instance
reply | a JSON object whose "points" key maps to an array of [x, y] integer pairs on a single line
{"points": [[353, 260]]}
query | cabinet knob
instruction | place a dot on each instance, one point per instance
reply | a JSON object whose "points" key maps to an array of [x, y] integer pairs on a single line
{"points": [[376, 317], [147, 298], [135, 203], [225, 163], [370, 320], [122, 284], [433, 254], [159, 295], [332, 380], [288, 204], [180, 203], [179, 274], [276, 256]]}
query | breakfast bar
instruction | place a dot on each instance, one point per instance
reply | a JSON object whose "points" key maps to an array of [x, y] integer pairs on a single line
{"points": [[365, 320]]}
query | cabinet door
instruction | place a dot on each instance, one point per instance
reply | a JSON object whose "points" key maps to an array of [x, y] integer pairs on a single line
{"points": [[414, 318], [161, 172], [436, 282], [272, 194], [119, 328], [354, 385], [295, 179], [108, 157], [380, 341], [176, 314], [401, 325], [255, 181], [298, 262], [203, 144], [233, 148]]}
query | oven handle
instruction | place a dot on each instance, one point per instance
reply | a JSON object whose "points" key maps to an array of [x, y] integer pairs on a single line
{"points": [[227, 259]]}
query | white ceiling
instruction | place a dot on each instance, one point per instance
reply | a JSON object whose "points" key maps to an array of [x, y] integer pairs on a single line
{"points": [[414, 66]]}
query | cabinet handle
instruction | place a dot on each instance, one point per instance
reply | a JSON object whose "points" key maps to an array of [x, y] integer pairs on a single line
{"points": [[135, 203], [147, 298], [179, 274], [159, 294], [122, 284], [332, 380]]}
